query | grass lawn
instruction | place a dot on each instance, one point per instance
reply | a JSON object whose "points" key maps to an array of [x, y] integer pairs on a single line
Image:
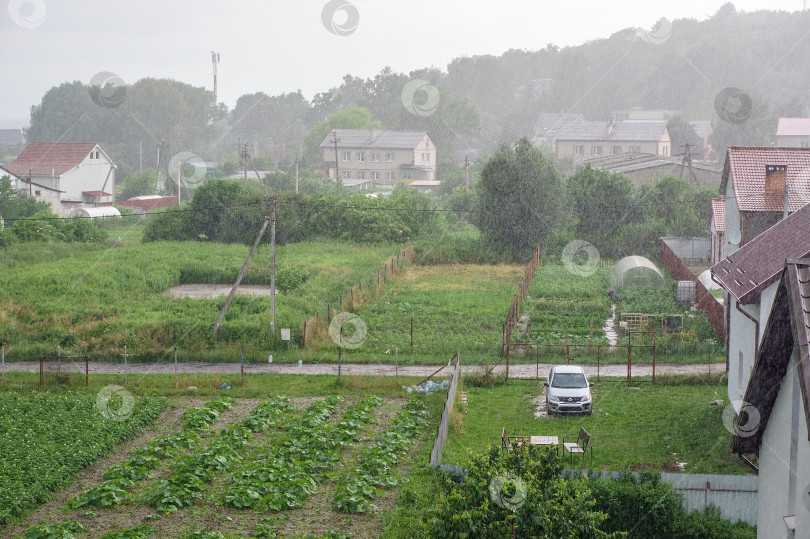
{"points": [[454, 307], [639, 427]]}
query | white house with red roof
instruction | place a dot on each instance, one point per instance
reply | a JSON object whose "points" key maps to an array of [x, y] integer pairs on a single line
{"points": [[82, 173], [750, 277], [793, 132]]}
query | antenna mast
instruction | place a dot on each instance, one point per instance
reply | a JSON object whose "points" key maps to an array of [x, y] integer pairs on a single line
{"points": [[215, 62]]}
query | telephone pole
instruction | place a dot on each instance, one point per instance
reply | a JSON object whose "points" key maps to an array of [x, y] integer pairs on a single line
{"points": [[273, 263], [215, 62], [467, 168], [334, 141]]}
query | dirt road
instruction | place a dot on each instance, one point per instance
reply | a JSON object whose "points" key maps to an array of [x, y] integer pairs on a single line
{"points": [[365, 369]]}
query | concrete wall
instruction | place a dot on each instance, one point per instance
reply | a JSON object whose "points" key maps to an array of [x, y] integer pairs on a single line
{"points": [[735, 495], [690, 248], [783, 463]]}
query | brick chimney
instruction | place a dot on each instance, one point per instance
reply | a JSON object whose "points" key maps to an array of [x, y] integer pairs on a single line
{"points": [[775, 179]]}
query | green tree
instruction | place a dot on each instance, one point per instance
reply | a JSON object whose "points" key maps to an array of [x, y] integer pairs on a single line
{"points": [[137, 185], [350, 118], [15, 204], [600, 200], [521, 197], [681, 132]]}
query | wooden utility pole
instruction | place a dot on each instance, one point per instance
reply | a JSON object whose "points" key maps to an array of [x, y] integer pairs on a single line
{"points": [[334, 141], [296, 176], [242, 273], [273, 264], [467, 167]]}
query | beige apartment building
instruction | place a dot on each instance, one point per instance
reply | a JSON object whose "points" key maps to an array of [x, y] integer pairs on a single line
{"points": [[378, 158], [589, 140]]}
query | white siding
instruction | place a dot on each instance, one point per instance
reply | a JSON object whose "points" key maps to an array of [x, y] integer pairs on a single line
{"points": [[740, 341], [779, 496], [732, 220]]}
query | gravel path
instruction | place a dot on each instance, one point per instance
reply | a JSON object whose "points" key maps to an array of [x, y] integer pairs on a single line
{"points": [[515, 371]]}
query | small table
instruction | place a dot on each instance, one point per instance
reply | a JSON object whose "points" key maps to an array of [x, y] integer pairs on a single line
{"points": [[544, 440]]}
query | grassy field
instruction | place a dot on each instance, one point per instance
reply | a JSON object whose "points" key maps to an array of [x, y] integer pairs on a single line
{"points": [[453, 307], [94, 300], [641, 427]]}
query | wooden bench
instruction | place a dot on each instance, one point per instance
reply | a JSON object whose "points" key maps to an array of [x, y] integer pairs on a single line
{"points": [[581, 444]]}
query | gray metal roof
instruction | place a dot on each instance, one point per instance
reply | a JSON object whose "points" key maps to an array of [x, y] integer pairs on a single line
{"points": [[638, 131], [627, 131], [375, 138], [582, 131]]}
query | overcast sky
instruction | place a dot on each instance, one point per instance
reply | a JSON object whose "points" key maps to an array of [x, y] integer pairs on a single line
{"points": [[274, 47]]}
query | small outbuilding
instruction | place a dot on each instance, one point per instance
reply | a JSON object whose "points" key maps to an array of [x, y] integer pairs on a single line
{"points": [[636, 272], [98, 212]]}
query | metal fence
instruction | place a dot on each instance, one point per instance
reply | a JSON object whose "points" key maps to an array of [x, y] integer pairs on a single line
{"points": [[734, 495], [441, 431]]}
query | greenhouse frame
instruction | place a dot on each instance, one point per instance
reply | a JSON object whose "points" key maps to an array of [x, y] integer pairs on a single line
{"points": [[636, 272]]}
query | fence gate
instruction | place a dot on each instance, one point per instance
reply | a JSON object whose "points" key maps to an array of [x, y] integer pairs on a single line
{"points": [[64, 370]]}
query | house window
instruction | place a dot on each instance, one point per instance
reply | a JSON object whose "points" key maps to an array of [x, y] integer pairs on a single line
{"points": [[375, 175], [666, 150], [635, 149], [804, 144], [346, 175], [389, 156], [596, 150], [375, 157], [391, 175], [579, 150], [360, 175], [615, 150], [97, 154], [37, 192], [426, 156], [347, 156], [361, 156]]}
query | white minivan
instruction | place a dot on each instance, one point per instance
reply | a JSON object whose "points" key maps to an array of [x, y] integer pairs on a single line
{"points": [[568, 390]]}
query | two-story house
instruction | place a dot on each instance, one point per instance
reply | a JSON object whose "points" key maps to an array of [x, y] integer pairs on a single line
{"points": [[588, 140], [382, 157], [756, 184], [793, 132], [82, 173], [775, 422], [750, 277]]}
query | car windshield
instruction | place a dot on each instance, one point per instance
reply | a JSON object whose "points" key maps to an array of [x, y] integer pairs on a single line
{"points": [[569, 380]]}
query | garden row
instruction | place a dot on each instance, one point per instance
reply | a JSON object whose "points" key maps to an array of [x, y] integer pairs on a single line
{"points": [[47, 438]]}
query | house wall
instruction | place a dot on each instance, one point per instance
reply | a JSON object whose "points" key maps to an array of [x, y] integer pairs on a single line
{"points": [[741, 342], [717, 243], [565, 148], [406, 156], [779, 494], [732, 220]]}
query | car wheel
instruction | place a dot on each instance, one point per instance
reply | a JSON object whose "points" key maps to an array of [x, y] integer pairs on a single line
{"points": [[548, 410]]}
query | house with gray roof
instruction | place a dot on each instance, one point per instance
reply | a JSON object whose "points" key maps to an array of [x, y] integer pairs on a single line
{"points": [[793, 132], [383, 157], [588, 140]]}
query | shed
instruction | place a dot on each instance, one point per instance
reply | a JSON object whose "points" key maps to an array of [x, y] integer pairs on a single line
{"points": [[636, 272], [100, 211]]}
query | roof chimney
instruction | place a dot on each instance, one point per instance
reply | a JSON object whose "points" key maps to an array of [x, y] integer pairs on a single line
{"points": [[775, 178], [372, 134]]}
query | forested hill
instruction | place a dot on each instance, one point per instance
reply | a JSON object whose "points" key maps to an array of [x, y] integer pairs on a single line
{"points": [[482, 101]]}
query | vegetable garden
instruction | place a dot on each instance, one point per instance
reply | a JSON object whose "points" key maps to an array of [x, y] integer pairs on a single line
{"points": [[260, 470]]}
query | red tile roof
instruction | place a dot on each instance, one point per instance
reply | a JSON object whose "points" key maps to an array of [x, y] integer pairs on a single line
{"points": [[793, 127], [759, 263], [719, 214], [746, 167], [46, 158]]}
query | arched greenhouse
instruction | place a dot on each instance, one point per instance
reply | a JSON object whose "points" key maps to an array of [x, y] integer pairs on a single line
{"points": [[636, 272]]}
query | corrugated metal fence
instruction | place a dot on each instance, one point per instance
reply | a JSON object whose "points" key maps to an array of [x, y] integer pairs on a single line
{"points": [[734, 495], [441, 432]]}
